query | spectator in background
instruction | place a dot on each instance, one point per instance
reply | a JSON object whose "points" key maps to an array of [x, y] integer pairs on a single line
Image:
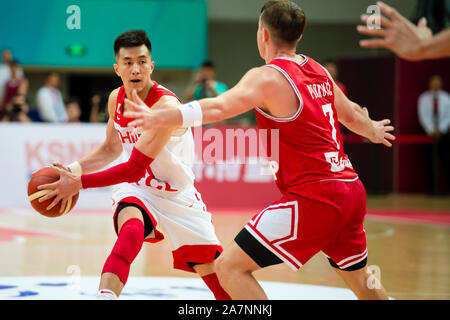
{"points": [[19, 110], [73, 110], [49, 100], [5, 75], [98, 109], [15, 85], [333, 70], [204, 84], [434, 116], [5, 71]]}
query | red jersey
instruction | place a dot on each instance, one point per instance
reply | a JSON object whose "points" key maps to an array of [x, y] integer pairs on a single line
{"points": [[310, 144]]}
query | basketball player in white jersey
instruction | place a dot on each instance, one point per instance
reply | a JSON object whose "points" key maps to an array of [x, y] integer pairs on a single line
{"points": [[155, 190]]}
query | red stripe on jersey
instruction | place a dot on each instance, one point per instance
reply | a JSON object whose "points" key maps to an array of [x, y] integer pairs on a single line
{"points": [[156, 92], [310, 144]]}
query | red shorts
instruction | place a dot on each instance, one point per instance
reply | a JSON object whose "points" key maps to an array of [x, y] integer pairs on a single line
{"points": [[323, 216]]}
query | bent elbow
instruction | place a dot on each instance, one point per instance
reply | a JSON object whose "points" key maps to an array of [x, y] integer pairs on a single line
{"points": [[135, 174]]}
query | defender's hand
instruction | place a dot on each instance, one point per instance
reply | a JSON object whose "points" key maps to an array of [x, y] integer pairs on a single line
{"points": [[144, 116], [396, 33]]}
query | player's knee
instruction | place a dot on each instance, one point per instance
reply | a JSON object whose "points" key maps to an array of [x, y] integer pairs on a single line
{"points": [[222, 267], [132, 238], [127, 247], [227, 268]]}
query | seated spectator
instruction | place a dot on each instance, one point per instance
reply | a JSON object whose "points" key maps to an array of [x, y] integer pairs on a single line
{"points": [[434, 116], [19, 110], [204, 84], [49, 100], [98, 111], [73, 110]]}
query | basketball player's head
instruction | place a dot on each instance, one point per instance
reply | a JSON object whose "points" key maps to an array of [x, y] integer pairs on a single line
{"points": [[134, 65], [281, 25]]}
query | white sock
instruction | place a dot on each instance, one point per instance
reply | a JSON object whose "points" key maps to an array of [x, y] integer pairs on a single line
{"points": [[105, 294]]}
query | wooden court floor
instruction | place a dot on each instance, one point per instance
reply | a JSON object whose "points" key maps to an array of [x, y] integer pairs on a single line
{"points": [[412, 257]]}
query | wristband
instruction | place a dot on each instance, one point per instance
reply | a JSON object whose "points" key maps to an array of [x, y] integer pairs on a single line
{"points": [[191, 113], [75, 168]]}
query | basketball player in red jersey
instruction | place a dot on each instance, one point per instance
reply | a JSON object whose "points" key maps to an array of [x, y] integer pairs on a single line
{"points": [[155, 180], [324, 202]]}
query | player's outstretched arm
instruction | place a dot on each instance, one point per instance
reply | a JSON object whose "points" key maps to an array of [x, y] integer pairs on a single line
{"points": [[408, 41], [146, 149], [357, 119], [248, 93]]}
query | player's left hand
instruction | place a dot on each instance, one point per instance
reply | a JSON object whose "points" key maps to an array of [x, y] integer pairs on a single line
{"points": [[67, 186], [381, 133]]}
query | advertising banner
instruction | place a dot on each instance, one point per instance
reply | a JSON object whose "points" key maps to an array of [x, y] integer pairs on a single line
{"points": [[229, 170]]}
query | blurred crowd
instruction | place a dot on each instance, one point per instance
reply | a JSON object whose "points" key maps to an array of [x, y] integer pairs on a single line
{"points": [[48, 105], [14, 96]]}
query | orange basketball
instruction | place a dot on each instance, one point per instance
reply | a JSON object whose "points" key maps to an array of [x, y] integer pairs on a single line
{"points": [[44, 176]]}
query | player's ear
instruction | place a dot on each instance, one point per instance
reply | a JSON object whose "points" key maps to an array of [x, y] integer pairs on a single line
{"points": [[152, 66], [116, 69], [266, 35]]}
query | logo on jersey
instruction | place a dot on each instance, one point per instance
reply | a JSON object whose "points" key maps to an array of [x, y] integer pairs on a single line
{"points": [[129, 135], [337, 163]]}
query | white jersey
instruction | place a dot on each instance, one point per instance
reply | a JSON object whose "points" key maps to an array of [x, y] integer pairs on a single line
{"points": [[171, 171], [167, 193]]}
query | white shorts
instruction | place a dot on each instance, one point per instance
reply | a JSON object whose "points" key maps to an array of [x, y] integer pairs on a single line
{"points": [[182, 217]]}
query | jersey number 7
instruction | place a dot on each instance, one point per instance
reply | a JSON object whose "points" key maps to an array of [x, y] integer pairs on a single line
{"points": [[332, 157]]}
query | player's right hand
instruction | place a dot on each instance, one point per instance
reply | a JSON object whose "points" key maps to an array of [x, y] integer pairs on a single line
{"points": [[62, 190]]}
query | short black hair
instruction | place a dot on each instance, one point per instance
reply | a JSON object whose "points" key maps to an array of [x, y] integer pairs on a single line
{"points": [[132, 38], [435, 75], [74, 100], [285, 20], [51, 73], [208, 64]]}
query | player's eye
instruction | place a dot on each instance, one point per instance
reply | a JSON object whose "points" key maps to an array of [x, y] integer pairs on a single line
{"points": [[143, 62]]}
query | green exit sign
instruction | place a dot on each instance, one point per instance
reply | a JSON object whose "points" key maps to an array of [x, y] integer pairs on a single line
{"points": [[76, 50]]}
